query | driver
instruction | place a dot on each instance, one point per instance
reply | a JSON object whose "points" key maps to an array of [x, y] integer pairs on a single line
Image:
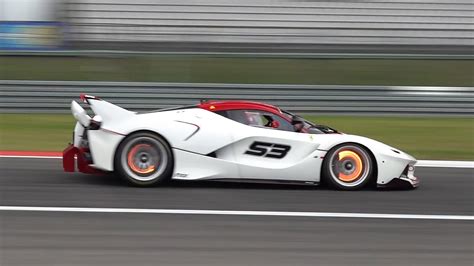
{"points": [[298, 123]]}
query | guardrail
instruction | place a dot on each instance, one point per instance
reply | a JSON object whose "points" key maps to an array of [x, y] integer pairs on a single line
{"points": [[304, 55], [55, 97]]}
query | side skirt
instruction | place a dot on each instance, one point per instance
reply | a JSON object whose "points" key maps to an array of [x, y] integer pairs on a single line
{"points": [[264, 181]]}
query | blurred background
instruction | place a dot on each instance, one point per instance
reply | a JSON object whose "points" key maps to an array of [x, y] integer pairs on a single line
{"points": [[423, 26], [398, 71]]}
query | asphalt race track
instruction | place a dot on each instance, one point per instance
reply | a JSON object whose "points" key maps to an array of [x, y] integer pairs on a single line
{"points": [[82, 238]]}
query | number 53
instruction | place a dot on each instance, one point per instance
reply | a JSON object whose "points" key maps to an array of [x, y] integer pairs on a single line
{"points": [[269, 150]]}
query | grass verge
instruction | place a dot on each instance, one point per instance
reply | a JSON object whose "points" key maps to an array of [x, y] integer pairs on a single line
{"points": [[221, 69], [424, 138]]}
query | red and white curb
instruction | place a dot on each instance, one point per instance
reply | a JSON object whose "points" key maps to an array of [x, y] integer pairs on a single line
{"points": [[58, 155]]}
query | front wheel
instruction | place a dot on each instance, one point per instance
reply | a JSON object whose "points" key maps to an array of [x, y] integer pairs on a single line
{"points": [[348, 167], [144, 159]]}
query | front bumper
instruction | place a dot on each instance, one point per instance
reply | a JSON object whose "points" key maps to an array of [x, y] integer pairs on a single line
{"points": [[402, 183], [413, 180], [406, 180]]}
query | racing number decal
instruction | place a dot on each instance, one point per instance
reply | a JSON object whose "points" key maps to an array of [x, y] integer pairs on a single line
{"points": [[270, 150], [278, 151]]}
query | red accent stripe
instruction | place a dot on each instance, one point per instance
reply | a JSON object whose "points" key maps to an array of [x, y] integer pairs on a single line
{"points": [[32, 153]]}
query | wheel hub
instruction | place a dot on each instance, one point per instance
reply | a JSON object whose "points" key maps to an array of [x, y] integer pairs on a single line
{"points": [[349, 166], [144, 158]]}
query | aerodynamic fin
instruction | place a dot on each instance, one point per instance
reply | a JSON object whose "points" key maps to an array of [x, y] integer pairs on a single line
{"points": [[104, 109], [80, 114]]}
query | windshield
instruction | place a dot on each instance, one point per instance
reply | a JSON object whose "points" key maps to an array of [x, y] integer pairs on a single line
{"points": [[309, 126], [291, 116]]}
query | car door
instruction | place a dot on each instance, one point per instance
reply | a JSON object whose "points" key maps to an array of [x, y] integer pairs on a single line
{"points": [[266, 147]]}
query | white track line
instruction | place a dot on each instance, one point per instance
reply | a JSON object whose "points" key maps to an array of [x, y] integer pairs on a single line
{"points": [[421, 163], [450, 164], [242, 213]]}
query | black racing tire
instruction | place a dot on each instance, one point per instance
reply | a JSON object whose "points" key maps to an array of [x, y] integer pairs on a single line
{"points": [[348, 166], [144, 159]]}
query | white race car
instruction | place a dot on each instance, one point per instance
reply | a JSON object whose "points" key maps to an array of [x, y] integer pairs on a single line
{"points": [[228, 140]]}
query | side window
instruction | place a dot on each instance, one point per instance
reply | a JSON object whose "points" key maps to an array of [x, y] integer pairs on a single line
{"points": [[283, 124], [259, 119]]}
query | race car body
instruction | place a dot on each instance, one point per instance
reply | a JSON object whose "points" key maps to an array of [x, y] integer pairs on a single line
{"points": [[228, 140]]}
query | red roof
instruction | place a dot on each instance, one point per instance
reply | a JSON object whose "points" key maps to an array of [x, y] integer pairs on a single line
{"points": [[233, 105]]}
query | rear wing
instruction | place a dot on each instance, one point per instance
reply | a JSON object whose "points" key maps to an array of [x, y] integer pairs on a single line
{"points": [[105, 110]]}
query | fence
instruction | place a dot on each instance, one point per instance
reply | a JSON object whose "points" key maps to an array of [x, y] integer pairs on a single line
{"points": [[55, 97]]}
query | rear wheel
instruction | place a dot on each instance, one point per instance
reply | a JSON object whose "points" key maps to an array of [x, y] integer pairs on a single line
{"points": [[348, 167], [144, 159]]}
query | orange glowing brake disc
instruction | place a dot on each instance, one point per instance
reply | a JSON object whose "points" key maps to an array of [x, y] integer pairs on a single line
{"points": [[132, 160], [358, 166]]}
